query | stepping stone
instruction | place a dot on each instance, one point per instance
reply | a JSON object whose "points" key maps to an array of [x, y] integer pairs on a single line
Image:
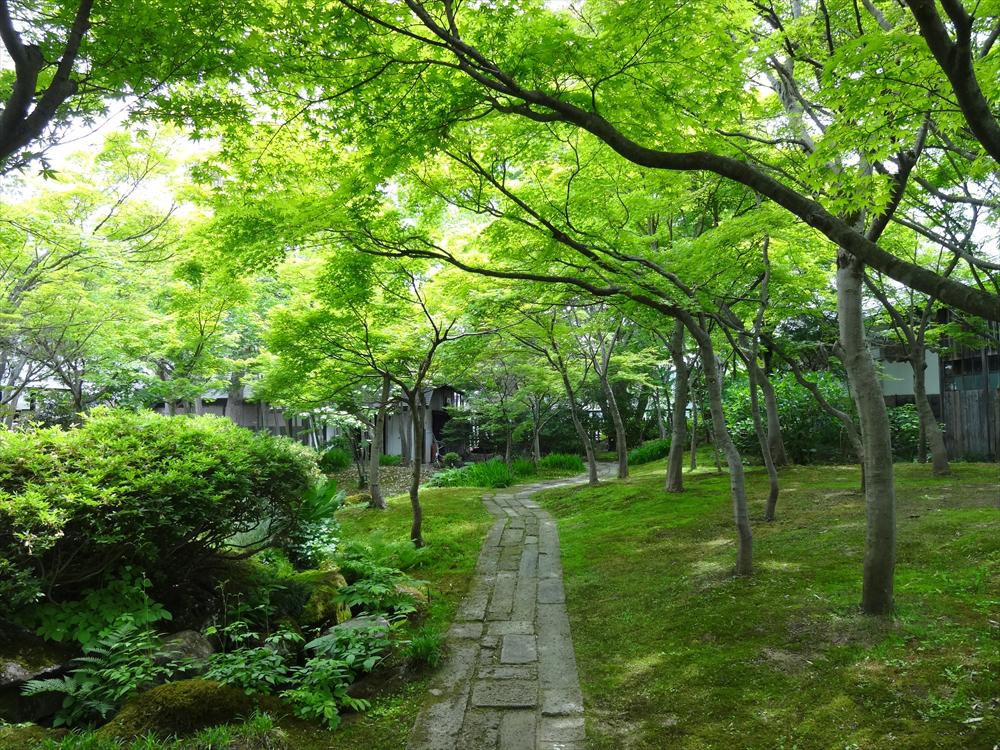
{"points": [[505, 694], [518, 649]]}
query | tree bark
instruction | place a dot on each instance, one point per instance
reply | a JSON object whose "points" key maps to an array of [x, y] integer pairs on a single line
{"points": [[678, 428], [377, 446], [928, 424], [880, 493], [621, 439], [754, 375], [404, 440], [661, 428], [694, 430], [581, 431], [774, 439], [737, 481], [415, 399]]}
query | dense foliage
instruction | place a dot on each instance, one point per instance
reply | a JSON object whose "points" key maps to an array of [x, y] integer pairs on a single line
{"points": [[161, 494]]}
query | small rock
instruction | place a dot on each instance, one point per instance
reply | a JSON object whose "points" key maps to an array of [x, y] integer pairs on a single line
{"points": [[187, 644]]}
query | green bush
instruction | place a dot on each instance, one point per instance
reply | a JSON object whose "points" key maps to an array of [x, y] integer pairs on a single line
{"points": [[810, 434], [335, 459], [387, 459], [904, 421], [161, 494], [493, 473], [451, 460], [523, 467], [649, 451], [562, 462]]}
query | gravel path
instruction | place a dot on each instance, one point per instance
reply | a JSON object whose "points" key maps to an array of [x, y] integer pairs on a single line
{"points": [[509, 681]]}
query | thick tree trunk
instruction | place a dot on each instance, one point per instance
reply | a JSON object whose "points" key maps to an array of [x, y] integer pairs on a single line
{"points": [[199, 405], [737, 481], [415, 400], [377, 446], [675, 459], [880, 493], [928, 424], [774, 440], [621, 440], [234, 397]]}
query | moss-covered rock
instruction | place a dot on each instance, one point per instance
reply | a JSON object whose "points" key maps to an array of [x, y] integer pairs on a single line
{"points": [[180, 708], [322, 606], [26, 736], [23, 657]]}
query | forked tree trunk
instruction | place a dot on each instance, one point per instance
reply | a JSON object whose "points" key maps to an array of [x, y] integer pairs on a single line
{"points": [[929, 426], [880, 492], [415, 400], [378, 440], [675, 459], [737, 481]]}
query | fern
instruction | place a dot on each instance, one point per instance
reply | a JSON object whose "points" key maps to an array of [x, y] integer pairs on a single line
{"points": [[109, 673]]}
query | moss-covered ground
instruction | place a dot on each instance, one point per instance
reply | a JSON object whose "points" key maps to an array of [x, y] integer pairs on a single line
{"points": [[675, 652]]}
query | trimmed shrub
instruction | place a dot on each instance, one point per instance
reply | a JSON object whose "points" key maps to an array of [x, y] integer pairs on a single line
{"points": [[649, 451], [387, 459], [163, 494], [562, 462], [335, 459], [451, 460]]}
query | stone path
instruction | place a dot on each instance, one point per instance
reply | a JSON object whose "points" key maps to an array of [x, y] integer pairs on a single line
{"points": [[509, 681]]}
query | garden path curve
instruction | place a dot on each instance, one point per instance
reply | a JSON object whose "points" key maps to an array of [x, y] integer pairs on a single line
{"points": [[509, 681]]}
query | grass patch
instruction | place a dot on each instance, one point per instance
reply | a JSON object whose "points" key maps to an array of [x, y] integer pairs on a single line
{"points": [[562, 462], [782, 660]]}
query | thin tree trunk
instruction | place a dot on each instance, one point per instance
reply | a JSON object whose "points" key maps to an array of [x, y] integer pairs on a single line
{"points": [[377, 446], [694, 430], [508, 446], [415, 400], [880, 492], [737, 482], [753, 373], [404, 440], [774, 439], [675, 459], [621, 440], [581, 431], [929, 425], [661, 428]]}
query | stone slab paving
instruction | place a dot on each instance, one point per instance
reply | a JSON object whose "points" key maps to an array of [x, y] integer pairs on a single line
{"points": [[509, 681]]}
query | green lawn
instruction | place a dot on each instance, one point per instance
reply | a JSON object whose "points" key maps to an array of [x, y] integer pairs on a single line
{"points": [[675, 652]]}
